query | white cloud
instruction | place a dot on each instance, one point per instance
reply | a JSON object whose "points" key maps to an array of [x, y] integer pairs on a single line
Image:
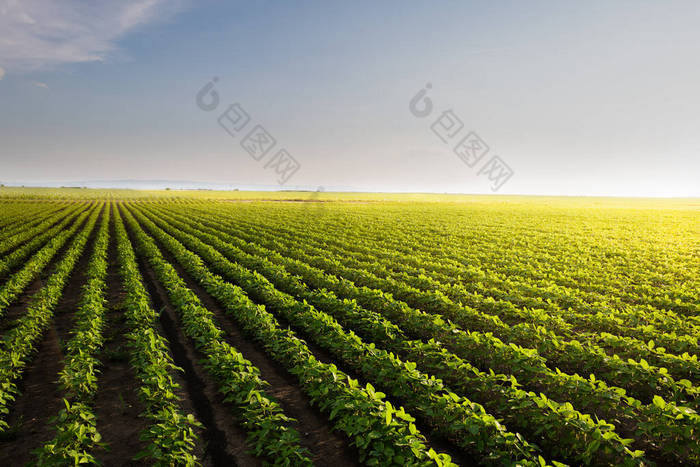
{"points": [[39, 34], [39, 84]]}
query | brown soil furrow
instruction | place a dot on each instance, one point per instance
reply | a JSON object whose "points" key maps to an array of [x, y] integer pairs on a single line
{"points": [[31, 421], [248, 349], [27, 240], [327, 446], [117, 406], [16, 309], [223, 441]]}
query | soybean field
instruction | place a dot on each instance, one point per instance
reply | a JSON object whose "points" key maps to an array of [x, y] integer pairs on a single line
{"points": [[233, 328]]}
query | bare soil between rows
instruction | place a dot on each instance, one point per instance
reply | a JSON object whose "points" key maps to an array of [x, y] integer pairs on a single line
{"points": [[434, 439], [221, 440], [40, 397], [328, 448]]}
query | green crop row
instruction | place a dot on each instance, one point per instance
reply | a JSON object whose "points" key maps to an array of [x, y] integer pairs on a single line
{"points": [[268, 428], [16, 284], [383, 434], [12, 214], [31, 229], [508, 300], [170, 436], [416, 246], [564, 432], [659, 423], [465, 423], [678, 354], [17, 228], [76, 425], [639, 377], [468, 287], [549, 257], [16, 258], [20, 342], [472, 285]]}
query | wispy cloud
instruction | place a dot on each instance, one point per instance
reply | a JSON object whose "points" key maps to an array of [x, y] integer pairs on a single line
{"points": [[2, 72], [39, 84], [38, 34]]}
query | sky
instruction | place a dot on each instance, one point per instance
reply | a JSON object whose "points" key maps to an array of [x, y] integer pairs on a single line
{"points": [[557, 97]]}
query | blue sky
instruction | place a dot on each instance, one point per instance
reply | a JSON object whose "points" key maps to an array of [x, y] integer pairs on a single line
{"points": [[594, 98]]}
